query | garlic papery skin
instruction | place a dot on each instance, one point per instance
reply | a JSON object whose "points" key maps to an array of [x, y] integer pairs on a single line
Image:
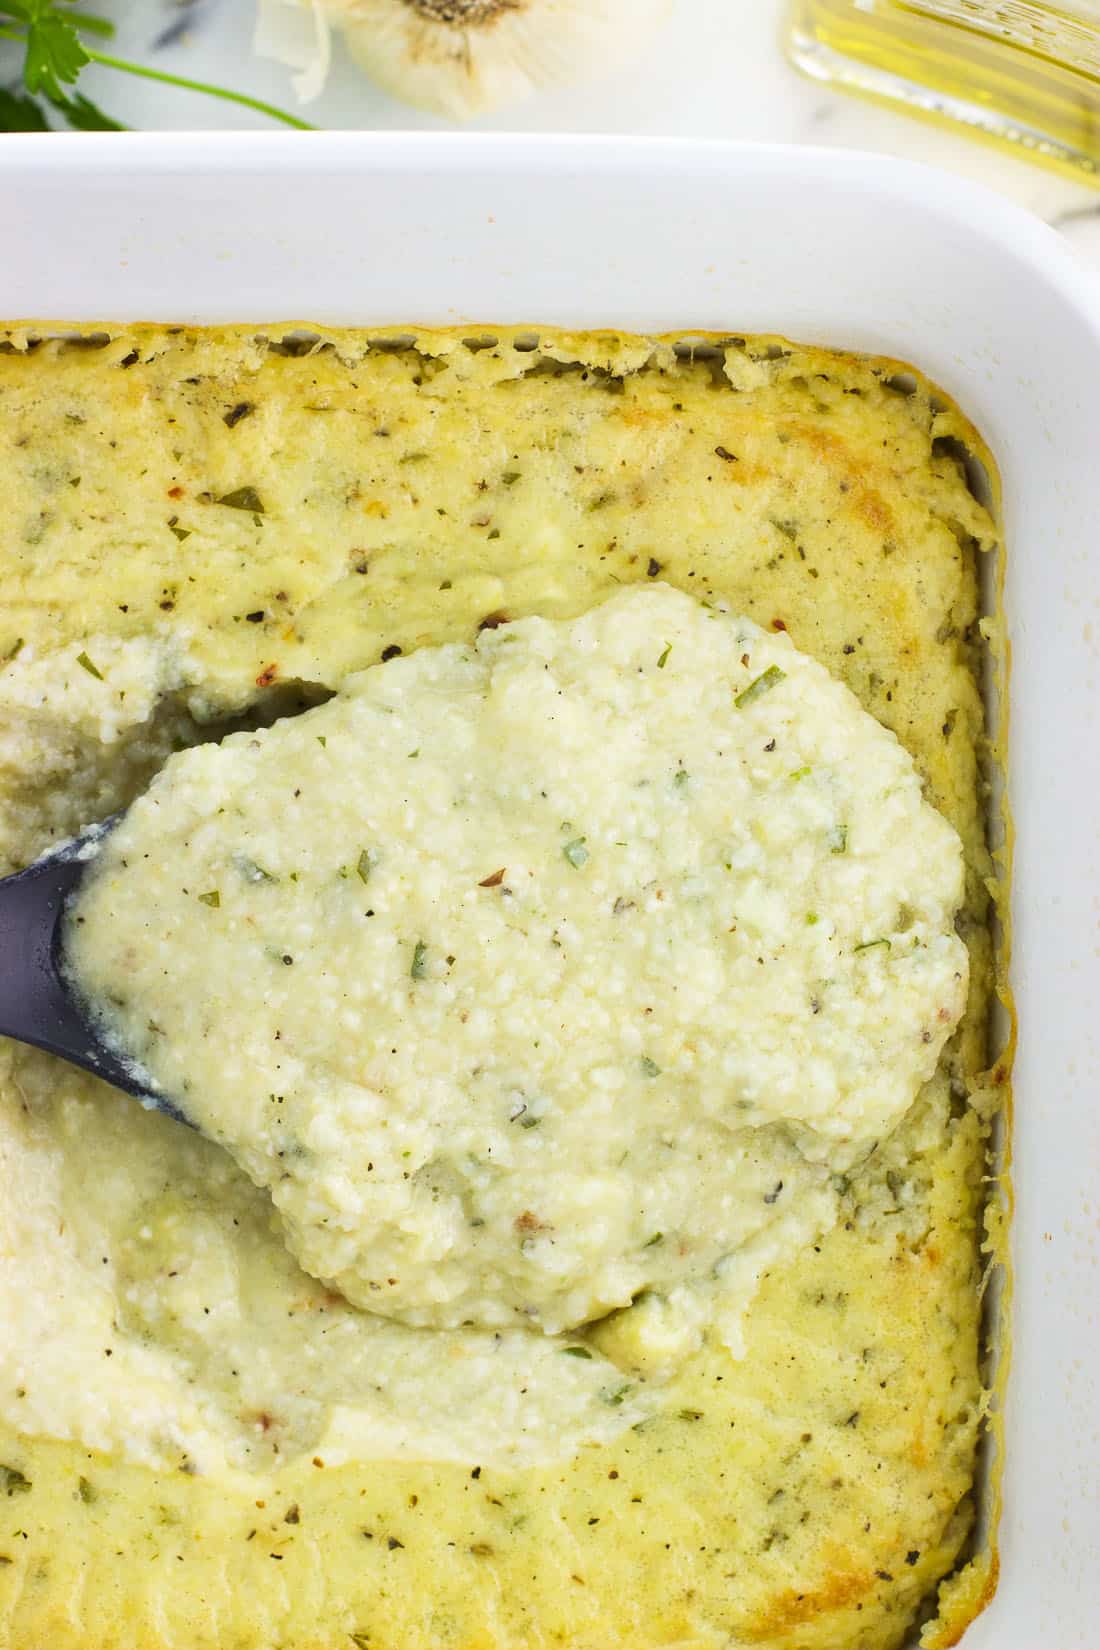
{"points": [[297, 33], [461, 58]]}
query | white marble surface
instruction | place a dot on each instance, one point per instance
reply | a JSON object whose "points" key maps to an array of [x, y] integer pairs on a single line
{"points": [[716, 70]]}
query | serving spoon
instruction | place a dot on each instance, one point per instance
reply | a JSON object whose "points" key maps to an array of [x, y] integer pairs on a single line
{"points": [[37, 1003]]}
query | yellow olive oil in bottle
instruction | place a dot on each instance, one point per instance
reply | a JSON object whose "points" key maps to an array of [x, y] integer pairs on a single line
{"points": [[1019, 71]]}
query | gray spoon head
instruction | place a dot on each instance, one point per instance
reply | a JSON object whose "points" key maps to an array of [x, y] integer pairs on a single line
{"points": [[37, 1003]]}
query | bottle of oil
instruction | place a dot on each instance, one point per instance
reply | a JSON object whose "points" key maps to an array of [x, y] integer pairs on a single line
{"points": [[1019, 71]]}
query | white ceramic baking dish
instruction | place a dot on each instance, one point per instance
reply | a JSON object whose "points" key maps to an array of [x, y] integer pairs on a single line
{"points": [[836, 248]]}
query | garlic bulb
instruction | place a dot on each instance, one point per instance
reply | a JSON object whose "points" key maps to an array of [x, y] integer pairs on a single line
{"points": [[462, 57]]}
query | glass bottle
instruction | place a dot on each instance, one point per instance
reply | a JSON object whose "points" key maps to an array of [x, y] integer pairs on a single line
{"points": [[1020, 71]]}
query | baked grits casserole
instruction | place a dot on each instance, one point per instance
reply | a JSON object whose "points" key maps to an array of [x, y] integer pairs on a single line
{"points": [[203, 1444]]}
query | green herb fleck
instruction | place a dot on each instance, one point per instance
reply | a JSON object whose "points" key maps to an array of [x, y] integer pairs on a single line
{"points": [[616, 1395], [812, 918], [510, 477], [242, 498], [85, 663], [420, 961], [86, 1491], [213, 899], [576, 853], [869, 945], [12, 1481], [799, 773], [14, 651], [180, 532], [690, 1414], [663, 660], [680, 778], [838, 839], [365, 864], [651, 1243], [762, 684], [250, 871], [650, 1068], [322, 741], [576, 1352]]}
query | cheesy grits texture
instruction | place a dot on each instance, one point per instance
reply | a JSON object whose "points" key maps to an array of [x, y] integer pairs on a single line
{"points": [[531, 974], [203, 530]]}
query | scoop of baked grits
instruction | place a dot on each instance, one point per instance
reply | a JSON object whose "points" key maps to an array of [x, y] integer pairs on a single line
{"points": [[532, 974]]}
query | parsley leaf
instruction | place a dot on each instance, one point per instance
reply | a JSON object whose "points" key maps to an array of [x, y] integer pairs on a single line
{"points": [[55, 55], [20, 114], [84, 116]]}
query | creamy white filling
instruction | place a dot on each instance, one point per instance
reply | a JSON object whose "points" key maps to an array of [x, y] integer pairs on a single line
{"points": [[531, 975]]}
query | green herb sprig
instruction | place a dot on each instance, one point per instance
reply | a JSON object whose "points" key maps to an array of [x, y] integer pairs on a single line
{"points": [[763, 683], [55, 36]]}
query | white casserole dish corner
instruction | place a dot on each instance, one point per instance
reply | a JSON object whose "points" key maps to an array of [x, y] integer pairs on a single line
{"points": [[847, 250]]}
